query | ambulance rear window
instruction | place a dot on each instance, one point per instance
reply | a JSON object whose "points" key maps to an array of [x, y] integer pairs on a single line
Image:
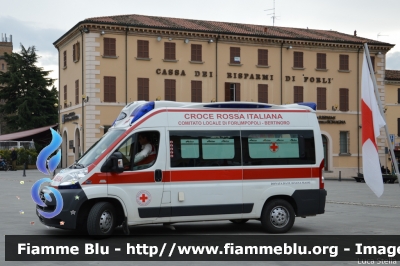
{"points": [[278, 147]]}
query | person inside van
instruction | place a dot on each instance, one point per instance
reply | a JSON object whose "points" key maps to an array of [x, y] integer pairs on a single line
{"points": [[148, 154]]}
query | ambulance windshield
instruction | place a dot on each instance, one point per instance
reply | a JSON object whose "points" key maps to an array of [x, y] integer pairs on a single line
{"points": [[98, 148]]}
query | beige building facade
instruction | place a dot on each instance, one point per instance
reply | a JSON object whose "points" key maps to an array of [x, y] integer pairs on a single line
{"points": [[108, 62]]}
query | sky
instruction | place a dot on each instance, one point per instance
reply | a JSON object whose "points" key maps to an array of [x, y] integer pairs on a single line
{"points": [[40, 23]]}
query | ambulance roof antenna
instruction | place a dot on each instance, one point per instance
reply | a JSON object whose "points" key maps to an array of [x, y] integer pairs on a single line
{"points": [[273, 14]]}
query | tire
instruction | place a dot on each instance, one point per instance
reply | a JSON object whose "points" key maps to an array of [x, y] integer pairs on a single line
{"points": [[239, 221], [278, 216], [101, 220]]}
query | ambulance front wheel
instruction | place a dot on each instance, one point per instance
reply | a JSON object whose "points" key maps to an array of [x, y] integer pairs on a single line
{"points": [[277, 216], [101, 219]]}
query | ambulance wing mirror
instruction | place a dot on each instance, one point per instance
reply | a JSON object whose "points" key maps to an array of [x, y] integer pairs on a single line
{"points": [[113, 164]]}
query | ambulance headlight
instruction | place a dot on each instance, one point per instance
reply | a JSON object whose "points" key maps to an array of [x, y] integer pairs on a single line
{"points": [[71, 180]]}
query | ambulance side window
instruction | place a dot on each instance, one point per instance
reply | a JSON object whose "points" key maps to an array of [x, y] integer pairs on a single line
{"points": [[205, 148], [140, 150], [278, 147], [127, 149]]}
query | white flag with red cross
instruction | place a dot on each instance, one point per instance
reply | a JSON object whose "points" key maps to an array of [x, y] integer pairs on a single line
{"points": [[372, 121]]}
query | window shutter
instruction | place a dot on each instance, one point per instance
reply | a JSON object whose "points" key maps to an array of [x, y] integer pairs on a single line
{"points": [[109, 89], [344, 100], [398, 127], [143, 49], [77, 91], [373, 62], [73, 53], [321, 98], [298, 59], [109, 47], [65, 58], [321, 61], [344, 62], [170, 87], [234, 52], [78, 49], [196, 91], [196, 52], [298, 94], [263, 93], [262, 57], [237, 92], [143, 89], [169, 51], [65, 96], [398, 96], [227, 91]]}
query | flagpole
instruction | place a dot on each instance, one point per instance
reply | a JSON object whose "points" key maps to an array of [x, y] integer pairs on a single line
{"points": [[378, 99]]}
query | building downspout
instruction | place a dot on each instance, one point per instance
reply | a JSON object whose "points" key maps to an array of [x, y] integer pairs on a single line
{"points": [[126, 66], [216, 68], [59, 95], [358, 110], [83, 93], [281, 73]]}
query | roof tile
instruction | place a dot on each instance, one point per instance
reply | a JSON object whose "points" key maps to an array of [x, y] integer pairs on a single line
{"points": [[232, 28]]}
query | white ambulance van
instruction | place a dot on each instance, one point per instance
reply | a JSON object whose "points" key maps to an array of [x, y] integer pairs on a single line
{"points": [[231, 161]]}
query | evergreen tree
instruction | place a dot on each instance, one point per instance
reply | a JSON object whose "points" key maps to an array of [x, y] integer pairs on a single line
{"points": [[29, 103]]}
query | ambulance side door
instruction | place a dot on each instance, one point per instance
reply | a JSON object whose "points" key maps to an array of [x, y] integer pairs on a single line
{"points": [[141, 186], [206, 175]]}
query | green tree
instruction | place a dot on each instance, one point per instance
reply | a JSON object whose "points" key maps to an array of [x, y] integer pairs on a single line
{"points": [[28, 93]]}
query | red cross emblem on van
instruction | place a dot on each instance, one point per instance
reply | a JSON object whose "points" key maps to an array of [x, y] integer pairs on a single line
{"points": [[273, 147], [143, 198]]}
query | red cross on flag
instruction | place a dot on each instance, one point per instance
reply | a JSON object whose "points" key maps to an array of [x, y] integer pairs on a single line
{"points": [[372, 121]]}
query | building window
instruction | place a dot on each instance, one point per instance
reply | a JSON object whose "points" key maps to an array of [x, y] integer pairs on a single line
{"points": [[109, 89], [343, 62], [344, 100], [373, 62], [262, 57], [76, 52], [2, 66], [398, 127], [142, 49], [321, 98], [298, 94], [232, 92], [344, 142], [77, 91], [143, 89], [196, 91], [321, 61], [65, 97], [298, 59], [196, 53], [263, 93], [398, 96], [169, 51], [235, 55], [110, 47], [65, 59], [170, 90]]}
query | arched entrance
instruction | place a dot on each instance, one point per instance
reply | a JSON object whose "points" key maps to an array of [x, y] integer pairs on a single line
{"points": [[77, 144], [325, 145], [64, 149]]}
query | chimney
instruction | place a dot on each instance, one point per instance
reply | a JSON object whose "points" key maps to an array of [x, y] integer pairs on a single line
{"points": [[355, 33]]}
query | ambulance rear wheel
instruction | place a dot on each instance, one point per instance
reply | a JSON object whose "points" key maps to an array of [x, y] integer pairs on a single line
{"points": [[277, 216], [101, 220], [239, 221]]}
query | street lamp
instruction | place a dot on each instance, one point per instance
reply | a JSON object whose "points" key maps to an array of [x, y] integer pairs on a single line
{"points": [[58, 117]]}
